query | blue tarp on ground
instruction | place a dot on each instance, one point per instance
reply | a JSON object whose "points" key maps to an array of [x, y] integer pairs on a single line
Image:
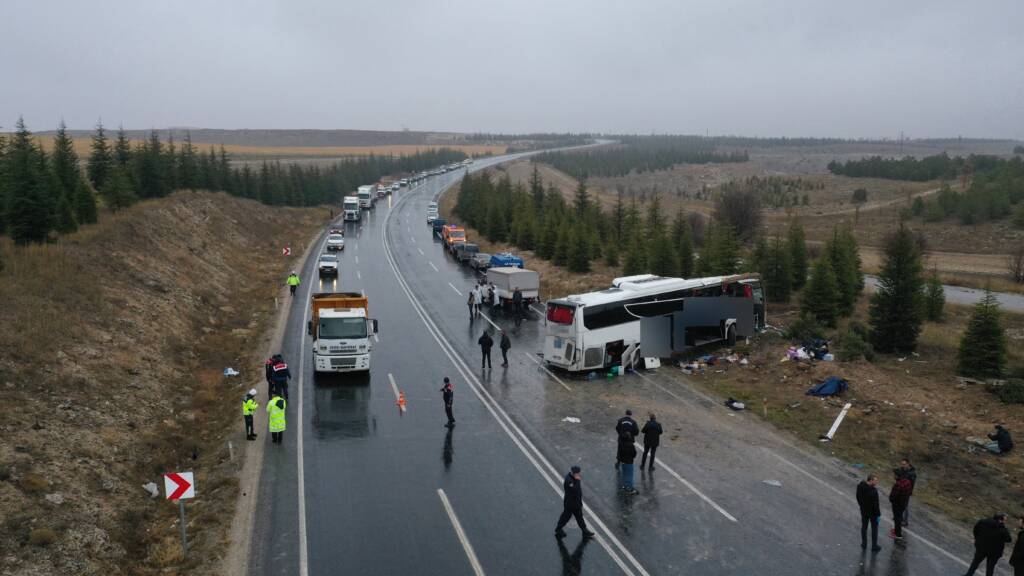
{"points": [[831, 386]]}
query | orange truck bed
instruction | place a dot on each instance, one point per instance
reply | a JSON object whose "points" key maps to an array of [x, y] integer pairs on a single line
{"points": [[332, 300]]}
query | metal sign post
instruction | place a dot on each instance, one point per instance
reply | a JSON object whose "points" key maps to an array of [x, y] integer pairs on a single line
{"points": [[180, 486]]}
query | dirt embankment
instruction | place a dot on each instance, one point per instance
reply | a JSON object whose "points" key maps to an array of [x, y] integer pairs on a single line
{"points": [[112, 355]]}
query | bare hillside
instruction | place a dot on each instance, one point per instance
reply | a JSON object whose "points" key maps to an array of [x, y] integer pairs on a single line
{"points": [[112, 353]]}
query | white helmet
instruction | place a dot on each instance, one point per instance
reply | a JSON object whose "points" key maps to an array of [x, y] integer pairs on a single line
{"points": [[252, 392]]}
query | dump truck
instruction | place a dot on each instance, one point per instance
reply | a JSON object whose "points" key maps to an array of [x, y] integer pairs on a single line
{"points": [[341, 332]]}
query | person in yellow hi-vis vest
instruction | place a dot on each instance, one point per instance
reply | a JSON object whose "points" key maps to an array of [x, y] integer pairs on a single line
{"points": [[293, 281], [275, 410], [249, 406]]}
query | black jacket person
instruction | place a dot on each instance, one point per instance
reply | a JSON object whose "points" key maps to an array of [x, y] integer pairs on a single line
{"points": [[485, 342], [572, 503], [870, 511], [652, 438], [990, 538]]}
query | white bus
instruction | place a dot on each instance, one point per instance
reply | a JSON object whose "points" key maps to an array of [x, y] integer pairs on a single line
{"points": [[598, 329]]}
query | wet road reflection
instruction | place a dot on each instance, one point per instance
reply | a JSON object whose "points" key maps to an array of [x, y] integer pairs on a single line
{"points": [[448, 451], [341, 408], [572, 564]]}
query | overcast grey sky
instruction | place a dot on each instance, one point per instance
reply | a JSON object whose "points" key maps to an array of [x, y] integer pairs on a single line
{"points": [[806, 67]]}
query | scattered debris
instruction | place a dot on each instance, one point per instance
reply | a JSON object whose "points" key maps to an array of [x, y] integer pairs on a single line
{"points": [[735, 404], [835, 425], [775, 483], [571, 419], [831, 386], [56, 498], [794, 405], [231, 372]]}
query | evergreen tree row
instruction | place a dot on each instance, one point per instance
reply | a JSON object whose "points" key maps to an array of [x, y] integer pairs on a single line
{"points": [[44, 193], [640, 154]]}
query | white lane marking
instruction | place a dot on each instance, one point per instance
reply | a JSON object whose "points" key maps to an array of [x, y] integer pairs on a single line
{"points": [[491, 321], [375, 338], [673, 394], [394, 387], [550, 373], [454, 288], [359, 275], [413, 238], [357, 259], [432, 266], [539, 312], [470, 554], [421, 251], [692, 488], [885, 519], [548, 473]]}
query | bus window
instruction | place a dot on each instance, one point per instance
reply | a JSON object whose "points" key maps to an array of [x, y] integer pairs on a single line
{"points": [[560, 313]]}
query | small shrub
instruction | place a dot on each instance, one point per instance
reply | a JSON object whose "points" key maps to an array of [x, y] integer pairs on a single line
{"points": [[1012, 392], [805, 328], [5, 474], [42, 537], [32, 483], [853, 346]]}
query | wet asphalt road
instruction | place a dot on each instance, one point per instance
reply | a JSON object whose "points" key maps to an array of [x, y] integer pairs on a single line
{"points": [[372, 475]]}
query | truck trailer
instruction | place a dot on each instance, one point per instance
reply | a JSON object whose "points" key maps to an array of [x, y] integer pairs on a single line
{"points": [[367, 196], [350, 206]]}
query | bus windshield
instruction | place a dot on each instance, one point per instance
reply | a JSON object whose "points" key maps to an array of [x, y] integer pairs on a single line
{"points": [[560, 313]]}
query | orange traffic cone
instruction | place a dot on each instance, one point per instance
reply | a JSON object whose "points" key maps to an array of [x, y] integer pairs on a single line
{"points": [[401, 401]]}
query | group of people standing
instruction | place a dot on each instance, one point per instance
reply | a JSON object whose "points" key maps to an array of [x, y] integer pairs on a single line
{"points": [[990, 534], [484, 292], [627, 430]]}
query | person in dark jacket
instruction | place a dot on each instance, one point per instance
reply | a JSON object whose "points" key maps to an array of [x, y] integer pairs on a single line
{"points": [[485, 342], [280, 376], [870, 512], [626, 424], [1017, 556], [652, 437], [626, 455], [990, 537], [268, 370], [1001, 442], [506, 343], [907, 470], [572, 504], [448, 396], [517, 305], [898, 497]]}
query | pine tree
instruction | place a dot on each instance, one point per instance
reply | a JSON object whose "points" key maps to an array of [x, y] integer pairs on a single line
{"points": [[536, 189], [983, 346], [64, 161], [30, 207], [117, 192], [796, 245], [64, 218], [187, 166], [682, 239], [721, 251], [581, 200], [842, 250], [562, 247], [611, 253], [819, 300], [776, 271], [934, 298], [635, 263], [896, 313], [100, 159], [579, 252], [122, 149], [85, 203]]}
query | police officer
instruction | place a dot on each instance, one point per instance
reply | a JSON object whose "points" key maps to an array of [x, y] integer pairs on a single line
{"points": [[293, 281], [448, 395], [628, 425], [280, 375], [572, 504], [652, 438], [276, 419], [249, 406]]}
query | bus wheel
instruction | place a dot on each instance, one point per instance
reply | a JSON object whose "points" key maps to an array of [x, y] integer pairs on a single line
{"points": [[730, 335]]}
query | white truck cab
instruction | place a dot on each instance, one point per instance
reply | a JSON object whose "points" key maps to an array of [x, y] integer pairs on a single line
{"points": [[350, 205], [341, 332]]}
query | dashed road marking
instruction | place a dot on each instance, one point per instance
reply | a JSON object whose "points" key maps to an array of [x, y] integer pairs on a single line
{"points": [[466, 546], [550, 373], [432, 266]]}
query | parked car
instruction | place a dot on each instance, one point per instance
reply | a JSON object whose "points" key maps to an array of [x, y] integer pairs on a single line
{"points": [[506, 260], [431, 216], [437, 225], [480, 261], [328, 264], [464, 252], [335, 242]]}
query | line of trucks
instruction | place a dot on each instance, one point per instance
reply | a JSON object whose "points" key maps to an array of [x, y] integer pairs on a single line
{"points": [[504, 271], [367, 195]]}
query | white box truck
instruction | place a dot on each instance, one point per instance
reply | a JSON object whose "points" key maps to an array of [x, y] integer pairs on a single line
{"points": [[350, 206], [367, 196], [507, 279]]}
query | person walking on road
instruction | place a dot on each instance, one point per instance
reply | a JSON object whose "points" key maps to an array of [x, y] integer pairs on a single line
{"points": [[448, 396], [478, 299], [249, 406], [471, 302], [485, 342], [276, 419], [506, 343], [870, 512], [907, 470], [293, 282], [990, 537], [572, 504], [627, 424], [280, 376], [1017, 556], [652, 437], [626, 455], [898, 497]]}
